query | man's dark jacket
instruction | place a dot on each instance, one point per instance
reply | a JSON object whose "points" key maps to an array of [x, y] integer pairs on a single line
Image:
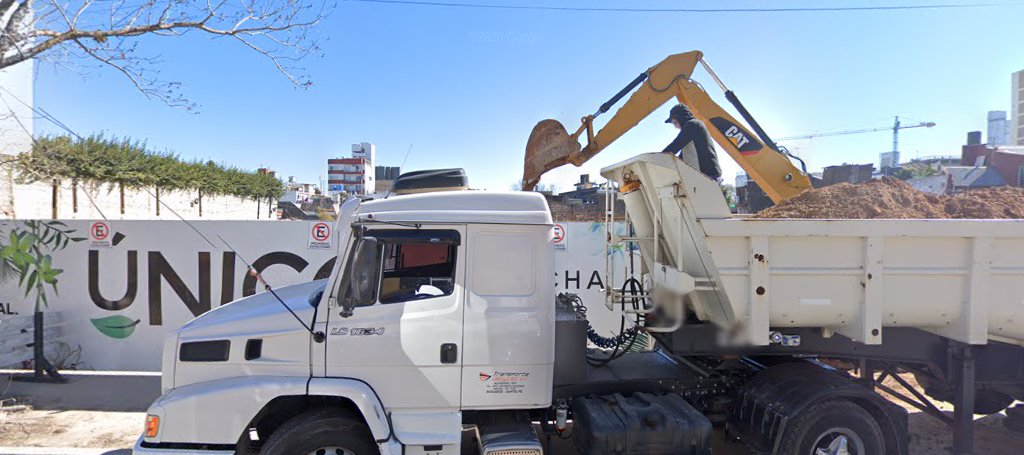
{"points": [[693, 130]]}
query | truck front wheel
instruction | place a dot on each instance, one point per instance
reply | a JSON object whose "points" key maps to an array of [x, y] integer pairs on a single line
{"points": [[321, 432], [835, 427]]}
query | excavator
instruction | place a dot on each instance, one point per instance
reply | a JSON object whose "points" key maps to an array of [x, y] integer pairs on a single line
{"points": [[550, 145]]}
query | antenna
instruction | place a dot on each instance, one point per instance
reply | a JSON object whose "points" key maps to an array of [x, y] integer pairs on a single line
{"points": [[317, 336], [407, 152]]}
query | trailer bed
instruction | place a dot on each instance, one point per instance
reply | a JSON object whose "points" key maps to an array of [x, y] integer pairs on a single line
{"points": [[960, 279]]}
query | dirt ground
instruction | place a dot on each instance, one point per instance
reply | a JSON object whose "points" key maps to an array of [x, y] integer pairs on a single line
{"points": [[928, 435], [119, 430], [891, 198], [36, 428], [50, 425]]}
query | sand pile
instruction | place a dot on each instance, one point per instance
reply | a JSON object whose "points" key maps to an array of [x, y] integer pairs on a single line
{"points": [[893, 198]]}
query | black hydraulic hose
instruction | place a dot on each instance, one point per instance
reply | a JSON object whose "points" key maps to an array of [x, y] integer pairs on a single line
{"points": [[785, 151], [635, 288]]}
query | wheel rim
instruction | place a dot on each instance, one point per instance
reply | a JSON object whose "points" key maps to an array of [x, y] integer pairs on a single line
{"points": [[332, 451], [838, 441]]}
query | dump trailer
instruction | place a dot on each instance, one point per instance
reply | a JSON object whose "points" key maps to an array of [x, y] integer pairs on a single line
{"points": [[441, 316]]}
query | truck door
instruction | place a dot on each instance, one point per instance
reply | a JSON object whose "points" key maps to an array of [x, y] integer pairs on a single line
{"points": [[404, 291]]}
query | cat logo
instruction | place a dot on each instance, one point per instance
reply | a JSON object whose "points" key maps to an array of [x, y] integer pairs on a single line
{"points": [[736, 136], [746, 144]]}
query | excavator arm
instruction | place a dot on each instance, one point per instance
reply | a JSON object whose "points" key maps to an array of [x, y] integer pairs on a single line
{"points": [[551, 146]]}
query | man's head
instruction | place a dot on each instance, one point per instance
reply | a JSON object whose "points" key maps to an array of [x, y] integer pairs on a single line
{"points": [[679, 115]]}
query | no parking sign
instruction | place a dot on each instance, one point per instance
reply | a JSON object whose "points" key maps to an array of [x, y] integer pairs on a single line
{"points": [[559, 241], [99, 235], [320, 236]]}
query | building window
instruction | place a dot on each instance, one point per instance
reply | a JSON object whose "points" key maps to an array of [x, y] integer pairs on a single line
{"points": [[1020, 176]]}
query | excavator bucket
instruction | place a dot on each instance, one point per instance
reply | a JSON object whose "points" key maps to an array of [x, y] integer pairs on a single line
{"points": [[549, 146]]}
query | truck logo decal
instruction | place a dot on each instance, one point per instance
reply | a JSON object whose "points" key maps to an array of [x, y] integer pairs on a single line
{"points": [[737, 136], [357, 331], [366, 331], [505, 382]]}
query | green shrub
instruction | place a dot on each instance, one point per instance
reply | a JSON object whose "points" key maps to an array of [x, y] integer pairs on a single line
{"points": [[127, 162]]}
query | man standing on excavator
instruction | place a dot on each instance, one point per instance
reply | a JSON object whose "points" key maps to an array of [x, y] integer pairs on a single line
{"points": [[693, 144]]}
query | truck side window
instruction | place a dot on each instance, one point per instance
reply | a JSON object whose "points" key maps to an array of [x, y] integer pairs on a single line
{"points": [[361, 273], [417, 271]]}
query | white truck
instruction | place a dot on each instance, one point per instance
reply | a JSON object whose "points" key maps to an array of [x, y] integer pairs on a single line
{"points": [[441, 314]]}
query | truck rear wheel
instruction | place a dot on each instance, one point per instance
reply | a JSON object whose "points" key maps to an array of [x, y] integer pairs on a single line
{"points": [[321, 432], [836, 427]]}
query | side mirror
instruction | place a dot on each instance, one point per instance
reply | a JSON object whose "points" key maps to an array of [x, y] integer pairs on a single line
{"points": [[362, 275]]}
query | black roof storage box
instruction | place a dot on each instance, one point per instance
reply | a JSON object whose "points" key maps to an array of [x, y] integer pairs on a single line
{"points": [[431, 180]]}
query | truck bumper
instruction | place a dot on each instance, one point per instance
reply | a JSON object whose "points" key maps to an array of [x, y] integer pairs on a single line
{"points": [[139, 450]]}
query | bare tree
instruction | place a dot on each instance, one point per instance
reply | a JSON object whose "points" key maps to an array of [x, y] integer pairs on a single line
{"points": [[109, 32]]}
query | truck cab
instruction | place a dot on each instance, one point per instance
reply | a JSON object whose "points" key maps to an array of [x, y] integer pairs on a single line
{"points": [[438, 304]]}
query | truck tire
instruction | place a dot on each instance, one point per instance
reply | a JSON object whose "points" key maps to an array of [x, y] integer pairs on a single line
{"points": [[321, 432], [824, 427]]}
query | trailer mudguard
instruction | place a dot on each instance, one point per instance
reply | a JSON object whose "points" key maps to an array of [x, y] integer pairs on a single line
{"points": [[767, 403]]}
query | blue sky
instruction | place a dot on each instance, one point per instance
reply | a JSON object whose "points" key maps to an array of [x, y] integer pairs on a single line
{"points": [[465, 86]]}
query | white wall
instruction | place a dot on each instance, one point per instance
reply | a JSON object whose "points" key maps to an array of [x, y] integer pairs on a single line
{"points": [[34, 201], [579, 265], [16, 124], [15, 138]]}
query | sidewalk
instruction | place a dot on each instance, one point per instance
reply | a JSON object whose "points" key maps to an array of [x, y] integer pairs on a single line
{"points": [[120, 391], [61, 451], [94, 413]]}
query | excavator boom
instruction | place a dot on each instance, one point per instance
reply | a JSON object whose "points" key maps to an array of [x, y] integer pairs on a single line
{"points": [[550, 145]]}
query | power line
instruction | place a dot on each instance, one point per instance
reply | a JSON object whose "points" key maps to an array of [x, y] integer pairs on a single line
{"points": [[17, 120], [42, 113], [690, 10], [46, 115]]}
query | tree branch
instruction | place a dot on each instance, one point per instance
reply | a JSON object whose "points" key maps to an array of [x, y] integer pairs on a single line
{"points": [[279, 30]]}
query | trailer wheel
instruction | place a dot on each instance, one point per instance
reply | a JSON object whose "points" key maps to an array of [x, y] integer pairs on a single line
{"points": [[321, 432], [836, 427]]}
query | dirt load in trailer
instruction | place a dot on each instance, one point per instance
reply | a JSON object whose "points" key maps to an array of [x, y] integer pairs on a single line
{"points": [[893, 198], [962, 279]]}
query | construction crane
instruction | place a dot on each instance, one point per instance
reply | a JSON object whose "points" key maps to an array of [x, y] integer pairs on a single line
{"points": [[896, 127]]}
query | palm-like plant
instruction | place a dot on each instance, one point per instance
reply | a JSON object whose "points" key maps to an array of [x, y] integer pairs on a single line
{"points": [[26, 255]]}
